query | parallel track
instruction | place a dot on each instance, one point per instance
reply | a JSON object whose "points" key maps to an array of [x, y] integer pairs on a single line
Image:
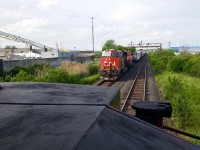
{"points": [[136, 90], [105, 83]]}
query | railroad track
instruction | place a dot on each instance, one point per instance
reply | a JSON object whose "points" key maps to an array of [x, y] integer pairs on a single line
{"points": [[105, 83], [136, 90]]}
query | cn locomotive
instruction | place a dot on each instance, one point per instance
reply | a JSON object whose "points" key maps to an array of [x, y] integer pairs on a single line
{"points": [[114, 62]]}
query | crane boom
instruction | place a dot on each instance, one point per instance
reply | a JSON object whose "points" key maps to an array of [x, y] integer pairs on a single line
{"points": [[23, 40]]}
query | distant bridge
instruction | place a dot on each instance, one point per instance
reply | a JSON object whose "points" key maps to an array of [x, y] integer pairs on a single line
{"points": [[146, 46], [23, 40]]}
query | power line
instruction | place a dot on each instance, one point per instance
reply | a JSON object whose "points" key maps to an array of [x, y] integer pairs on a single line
{"points": [[92, 35]]}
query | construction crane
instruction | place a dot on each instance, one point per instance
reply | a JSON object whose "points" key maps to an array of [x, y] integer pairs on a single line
{"points": [[23, 40]]}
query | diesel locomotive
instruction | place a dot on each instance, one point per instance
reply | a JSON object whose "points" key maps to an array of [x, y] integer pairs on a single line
{"points": [[114, 62]]}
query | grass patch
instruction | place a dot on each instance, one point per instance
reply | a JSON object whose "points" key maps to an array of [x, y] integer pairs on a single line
{"points": [[89, 80]]}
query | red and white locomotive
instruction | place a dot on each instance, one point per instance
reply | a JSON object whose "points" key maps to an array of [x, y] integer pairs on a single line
{"points": [[114, 62]]}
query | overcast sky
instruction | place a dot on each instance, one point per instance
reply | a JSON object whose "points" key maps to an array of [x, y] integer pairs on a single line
{"points": [[68, 22]]}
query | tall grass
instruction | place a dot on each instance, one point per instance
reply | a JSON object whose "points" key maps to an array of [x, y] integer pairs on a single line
{"points": [[75, 68], [67, 72]]}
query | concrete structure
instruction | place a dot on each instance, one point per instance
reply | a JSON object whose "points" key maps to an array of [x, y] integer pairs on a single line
{"points": [[61, 54], [8, 65]]}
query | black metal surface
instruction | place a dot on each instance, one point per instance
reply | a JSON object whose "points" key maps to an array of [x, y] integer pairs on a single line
{"points": [[116, 131], [58, 124], [1, 67], [162, 109], [30, 127], [52, 93], [152, 111]]}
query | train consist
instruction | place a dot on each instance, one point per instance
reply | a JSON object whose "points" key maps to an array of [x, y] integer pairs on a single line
{"points": [[114, 62]]}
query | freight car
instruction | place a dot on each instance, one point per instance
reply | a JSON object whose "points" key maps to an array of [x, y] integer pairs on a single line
{"points": [[114, 62], [137, 55]]}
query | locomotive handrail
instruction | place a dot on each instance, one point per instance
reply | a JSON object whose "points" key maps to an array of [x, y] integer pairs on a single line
{"points": [[182, 132]]}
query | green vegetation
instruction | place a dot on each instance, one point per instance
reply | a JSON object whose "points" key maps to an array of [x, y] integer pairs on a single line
{"points": [[67, 72], [165, 60], [10, 47], [184, 93], [110, 44], [96, 57], [177, 80]]}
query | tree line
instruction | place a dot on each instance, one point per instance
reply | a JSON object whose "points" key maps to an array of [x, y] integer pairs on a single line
{"points": [[110, 44], [166, 60]]}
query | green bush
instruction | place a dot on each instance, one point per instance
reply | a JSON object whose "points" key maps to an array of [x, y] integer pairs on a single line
{"points": [[17, 69], [45, 73], [159, 60], [176, 91], [22, 76], [182, 111], [162, 60], [159, 66], [184, 94], [5, 78], [177, 63], [93, 69], [192, 66], [97, 55], [54, 75], [74, 78]]}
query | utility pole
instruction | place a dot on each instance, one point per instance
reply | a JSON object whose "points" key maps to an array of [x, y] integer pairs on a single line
{"points": [[92, 35]]}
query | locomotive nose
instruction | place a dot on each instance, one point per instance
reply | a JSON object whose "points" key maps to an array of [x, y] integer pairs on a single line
{"points": [[108, 58]]}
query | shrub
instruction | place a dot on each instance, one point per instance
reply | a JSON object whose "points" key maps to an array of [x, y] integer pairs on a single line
{"points": [[177, 91], [182, 111], [177, 63], [93, 69], [159, 60], [97, 55], [68, 72], [192, 66], [6, 78], [17, 69], [54, 75], [22, 76]]}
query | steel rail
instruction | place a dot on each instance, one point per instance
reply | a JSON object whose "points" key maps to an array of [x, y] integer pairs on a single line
{"points": [[107, 83], [145, 80], [131, 88]]}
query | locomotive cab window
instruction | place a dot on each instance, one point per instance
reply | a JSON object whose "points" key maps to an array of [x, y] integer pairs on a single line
{"points": [[115, 54], [106, 53]]}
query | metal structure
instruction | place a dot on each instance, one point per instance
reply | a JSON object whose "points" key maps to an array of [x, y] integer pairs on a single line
{"points": [[146, 45], [26, 41], [74, 117]]}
